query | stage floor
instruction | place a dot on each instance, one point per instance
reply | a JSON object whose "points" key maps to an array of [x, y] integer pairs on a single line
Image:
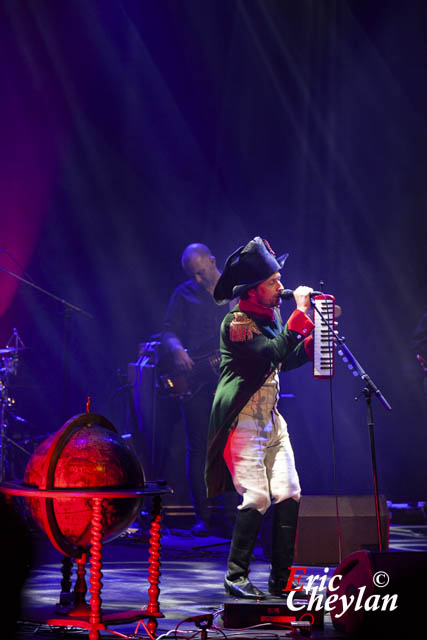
{"points": [[191, 584]]}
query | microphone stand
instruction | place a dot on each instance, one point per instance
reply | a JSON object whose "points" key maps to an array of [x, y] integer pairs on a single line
{"points": [[68, 307], [369, 389]]}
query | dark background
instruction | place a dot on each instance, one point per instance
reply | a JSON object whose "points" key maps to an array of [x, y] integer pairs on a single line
{"points": [[131, 128]]}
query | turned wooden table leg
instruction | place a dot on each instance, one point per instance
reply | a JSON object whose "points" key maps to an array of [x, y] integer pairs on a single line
{"points": [[81, 608], [95, 569], [154, 565], [66, 596]]}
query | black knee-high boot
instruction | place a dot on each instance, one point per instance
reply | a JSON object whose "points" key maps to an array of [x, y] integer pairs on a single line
{"points": [[285, 518], [236, 582]]}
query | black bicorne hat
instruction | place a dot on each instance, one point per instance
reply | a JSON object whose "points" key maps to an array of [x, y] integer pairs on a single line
{"points": [[246, 268]]}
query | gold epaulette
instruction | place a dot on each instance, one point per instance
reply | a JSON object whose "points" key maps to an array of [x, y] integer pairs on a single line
{"points": [[242, 327]]}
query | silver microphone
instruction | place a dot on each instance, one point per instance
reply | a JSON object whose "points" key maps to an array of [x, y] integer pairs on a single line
{"points": [[288, 294]]}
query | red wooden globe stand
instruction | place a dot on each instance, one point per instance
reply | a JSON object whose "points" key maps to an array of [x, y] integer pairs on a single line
{"points": [[93, 617]]}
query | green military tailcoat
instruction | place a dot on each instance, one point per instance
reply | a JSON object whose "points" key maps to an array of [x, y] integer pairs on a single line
{"points": [[252, 346]]}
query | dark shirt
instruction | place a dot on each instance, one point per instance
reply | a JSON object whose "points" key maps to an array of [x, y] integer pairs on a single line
{"points": [[194, 317]]}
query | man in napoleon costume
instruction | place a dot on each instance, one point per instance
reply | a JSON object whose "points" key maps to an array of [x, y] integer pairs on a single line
{"points": [[249, 445]]}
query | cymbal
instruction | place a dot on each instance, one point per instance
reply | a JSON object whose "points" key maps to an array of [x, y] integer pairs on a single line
{"points": [[7, 350]]}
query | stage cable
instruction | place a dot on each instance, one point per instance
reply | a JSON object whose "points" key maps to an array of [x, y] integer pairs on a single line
{"points": [[331, 335], [334, 466]]}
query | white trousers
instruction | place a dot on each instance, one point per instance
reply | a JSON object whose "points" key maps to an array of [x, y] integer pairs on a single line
{"points": [[259, 454]]}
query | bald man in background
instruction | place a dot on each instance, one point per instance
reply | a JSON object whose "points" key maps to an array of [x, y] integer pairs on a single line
{"points": [[190, 336]]}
